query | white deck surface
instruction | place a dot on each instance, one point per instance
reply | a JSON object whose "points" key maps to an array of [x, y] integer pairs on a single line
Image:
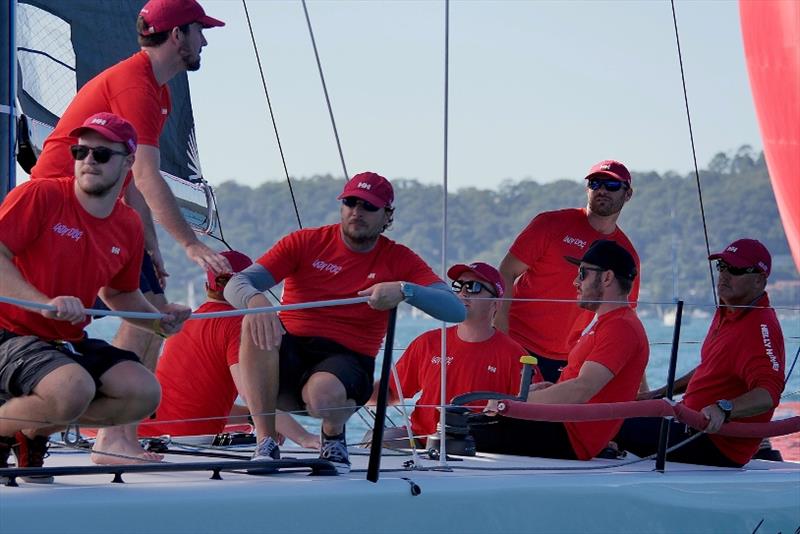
{"points": [[558, 496]]}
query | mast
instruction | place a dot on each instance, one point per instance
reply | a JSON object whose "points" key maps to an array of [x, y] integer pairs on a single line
{"points": [[8, 115]]}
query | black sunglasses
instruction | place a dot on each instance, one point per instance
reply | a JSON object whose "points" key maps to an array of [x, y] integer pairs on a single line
{"points": [[582, 271], [473, 286], [101, 154], [610, 185], [352, 202], [735, 271]]}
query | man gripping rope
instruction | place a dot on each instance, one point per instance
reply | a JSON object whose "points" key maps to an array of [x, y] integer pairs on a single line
{"points": [[63, 242], [323, 358]]}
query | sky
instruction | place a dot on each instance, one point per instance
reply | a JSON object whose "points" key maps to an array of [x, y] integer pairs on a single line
{"points": [[537, 89]]}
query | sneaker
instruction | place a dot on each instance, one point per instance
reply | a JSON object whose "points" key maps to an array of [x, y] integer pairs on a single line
{"points": [[31, 452], [266, 449], [335, 451], [5, 451]]}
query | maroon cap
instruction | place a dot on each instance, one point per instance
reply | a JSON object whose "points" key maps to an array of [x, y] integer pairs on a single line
{"points": [[163, 15], [745, 253], [481, 270], [371, 187], [612, 169], [112, 127], [238, 261]]}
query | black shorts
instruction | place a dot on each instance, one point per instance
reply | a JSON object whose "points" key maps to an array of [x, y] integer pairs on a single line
{"points": [[300, 357], [505, 435], [640, 435], [26, 360]]}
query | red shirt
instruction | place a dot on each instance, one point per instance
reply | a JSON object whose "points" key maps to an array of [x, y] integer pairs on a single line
{"points": [[743, 350], [619, 343], [61, 249], [551, 328], [128, 89], [317, 265], [491, 365], [195, 377]]}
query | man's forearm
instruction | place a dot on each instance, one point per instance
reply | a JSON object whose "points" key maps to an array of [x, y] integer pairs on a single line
{"points": [[135, 199], [13, 285], [162, 202], [754, 402]]}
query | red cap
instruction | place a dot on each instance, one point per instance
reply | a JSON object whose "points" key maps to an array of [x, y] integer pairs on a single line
{"points": [[238, 261], [612, 169], [163, 15], [112, 127], [745, 253], [371, 187], [481, 270]]}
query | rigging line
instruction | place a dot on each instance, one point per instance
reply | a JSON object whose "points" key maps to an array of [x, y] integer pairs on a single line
{"points": [[221, 237], [271, 112], [694, 153], [446, 117], [325, 90]]}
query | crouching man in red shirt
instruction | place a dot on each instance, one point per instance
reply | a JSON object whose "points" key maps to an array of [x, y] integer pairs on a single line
{"points": [[605, 365], [63, 242]]}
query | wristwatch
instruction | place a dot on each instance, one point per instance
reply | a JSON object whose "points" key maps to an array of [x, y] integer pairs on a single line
{"points": [[407, 290], [726, 406]]}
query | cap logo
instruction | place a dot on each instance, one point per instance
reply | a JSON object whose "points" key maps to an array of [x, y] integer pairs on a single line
{"points": [[731, 249], [99, 121], [762, 265], [605, 167], [364, 185], [473, 265]]}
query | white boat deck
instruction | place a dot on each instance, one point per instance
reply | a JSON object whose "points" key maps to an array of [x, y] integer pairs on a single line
{"points": [[487, 493]]}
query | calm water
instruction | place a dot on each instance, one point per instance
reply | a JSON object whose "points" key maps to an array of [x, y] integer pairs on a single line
{"points": [[693, 331]]}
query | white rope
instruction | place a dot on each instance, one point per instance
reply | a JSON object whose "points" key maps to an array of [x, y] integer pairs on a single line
{"points": [[207, 315]]}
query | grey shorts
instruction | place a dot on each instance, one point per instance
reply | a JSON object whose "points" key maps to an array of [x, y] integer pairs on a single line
{"points": [[26, 360]]}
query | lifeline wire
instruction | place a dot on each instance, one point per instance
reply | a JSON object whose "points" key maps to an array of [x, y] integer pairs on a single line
{"points": [[694, 154]]}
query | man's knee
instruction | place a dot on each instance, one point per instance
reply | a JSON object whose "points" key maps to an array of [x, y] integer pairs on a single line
{"points": [[130, 381], [323, 392], [67, 391]]}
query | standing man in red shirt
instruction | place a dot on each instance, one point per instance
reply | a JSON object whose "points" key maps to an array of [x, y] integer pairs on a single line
{"points": [[605, 365], [61, 242], [479, 357], [323, 358], [741, 371], [534, 268], [171, 37]]}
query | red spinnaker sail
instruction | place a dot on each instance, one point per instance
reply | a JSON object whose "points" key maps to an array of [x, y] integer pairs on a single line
{"points": [[771, 32]]}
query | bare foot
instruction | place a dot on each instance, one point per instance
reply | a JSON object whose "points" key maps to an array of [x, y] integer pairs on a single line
{"points": [[121, 449]]}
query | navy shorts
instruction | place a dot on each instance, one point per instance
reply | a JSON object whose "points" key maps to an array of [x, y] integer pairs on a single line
{"points": [[301, 357], [26, 360]]}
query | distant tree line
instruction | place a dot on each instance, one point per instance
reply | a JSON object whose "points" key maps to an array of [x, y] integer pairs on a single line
{"points": [[663, 219]]}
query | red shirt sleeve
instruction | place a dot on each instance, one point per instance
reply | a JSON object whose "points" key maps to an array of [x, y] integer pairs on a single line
{"points": [[531, 243], [143, 108], [608, 351], [282, 259], [22, 204], [756, 369]]}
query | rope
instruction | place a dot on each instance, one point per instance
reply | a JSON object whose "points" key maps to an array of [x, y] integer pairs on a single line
{"points": [[648, 408], [325, 90], [271, 114], [206, 315], [694, 154]]}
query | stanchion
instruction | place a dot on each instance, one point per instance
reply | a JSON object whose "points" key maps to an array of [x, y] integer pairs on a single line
{"points": [[374, 467], [663, 437]]}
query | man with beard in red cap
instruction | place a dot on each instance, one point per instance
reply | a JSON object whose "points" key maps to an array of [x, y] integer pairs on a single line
{"points": [[534, 268]]}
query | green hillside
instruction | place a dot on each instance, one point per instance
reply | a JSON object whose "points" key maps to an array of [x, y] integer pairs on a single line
{"points": [[663, 220]]}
